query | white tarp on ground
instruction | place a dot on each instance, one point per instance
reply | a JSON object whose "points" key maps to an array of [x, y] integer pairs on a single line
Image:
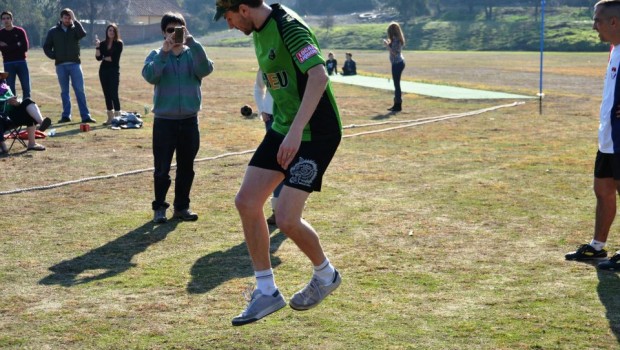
{"points": [[442, 91]]}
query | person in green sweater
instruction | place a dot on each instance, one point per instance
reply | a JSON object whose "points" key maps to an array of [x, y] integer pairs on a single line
{"points": [[176, 70], [14, 112]]}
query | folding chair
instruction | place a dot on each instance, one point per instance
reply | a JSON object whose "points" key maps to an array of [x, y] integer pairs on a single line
{"points": [[14, 133], [11, 131]]}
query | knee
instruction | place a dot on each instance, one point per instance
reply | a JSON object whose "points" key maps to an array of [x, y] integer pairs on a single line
{"points": [[244, 203], [603, 194], [286, 222]]}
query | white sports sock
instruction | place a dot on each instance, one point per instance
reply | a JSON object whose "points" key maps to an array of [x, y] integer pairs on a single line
{"points": [[265, 282], [325, 272], [274, 202], [598, 245]]}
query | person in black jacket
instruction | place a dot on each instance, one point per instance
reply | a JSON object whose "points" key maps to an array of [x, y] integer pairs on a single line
{"points": [[109, 71], [62, 44], [349, 67]]}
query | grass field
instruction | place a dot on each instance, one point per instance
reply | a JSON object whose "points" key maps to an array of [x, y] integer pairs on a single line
{"points": [[449, 235]]}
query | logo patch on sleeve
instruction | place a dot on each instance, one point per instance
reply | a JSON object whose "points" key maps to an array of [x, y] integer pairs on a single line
{"points": [[306, 53]]}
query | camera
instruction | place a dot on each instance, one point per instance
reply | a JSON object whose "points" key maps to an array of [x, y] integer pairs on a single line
{"points": [[178, 35]]}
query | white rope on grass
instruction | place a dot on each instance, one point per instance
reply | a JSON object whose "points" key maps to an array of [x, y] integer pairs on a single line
{"points": [[423, 121], [112, 176], [408, 124]]}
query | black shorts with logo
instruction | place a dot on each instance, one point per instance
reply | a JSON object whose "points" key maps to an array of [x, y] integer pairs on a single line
{"points": [[607, 165], [308, 166]]}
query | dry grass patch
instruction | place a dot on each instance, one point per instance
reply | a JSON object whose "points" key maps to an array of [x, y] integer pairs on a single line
{"points": [[448, 235]]}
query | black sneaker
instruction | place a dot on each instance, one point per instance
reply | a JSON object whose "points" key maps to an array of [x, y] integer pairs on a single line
{"points": [[89, 120], [64, 120], [45, 124], [611, 264], [185, 215], [586, 252]]}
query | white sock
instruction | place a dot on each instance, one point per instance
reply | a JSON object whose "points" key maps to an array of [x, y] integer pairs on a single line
{"points": [[274, 202], [34, 111], [265, 282], [598, 245], [325, 272]]}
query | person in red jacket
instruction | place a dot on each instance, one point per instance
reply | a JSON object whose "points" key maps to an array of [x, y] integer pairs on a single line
{"points": [[14, 46]]}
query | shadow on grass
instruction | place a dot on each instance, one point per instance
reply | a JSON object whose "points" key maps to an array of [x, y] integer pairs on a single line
{"points": [[608, 287], [216, 268], [383, 116], [110, 259]]}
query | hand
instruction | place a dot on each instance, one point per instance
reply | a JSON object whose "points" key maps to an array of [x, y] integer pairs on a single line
{"points": [[168, 42], [3, 44], [13, 101], [97, 41], [288, 149], [265, 117], [185, 34]]}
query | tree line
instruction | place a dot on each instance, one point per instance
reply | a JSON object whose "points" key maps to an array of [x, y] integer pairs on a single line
{"points": [[37, 16]]}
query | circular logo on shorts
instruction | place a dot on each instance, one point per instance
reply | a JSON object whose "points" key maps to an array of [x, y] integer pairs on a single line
{"points": [[304, 172]]}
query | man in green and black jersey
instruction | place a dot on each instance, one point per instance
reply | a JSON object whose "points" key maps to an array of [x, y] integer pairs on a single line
{"points": [[304, 136]]}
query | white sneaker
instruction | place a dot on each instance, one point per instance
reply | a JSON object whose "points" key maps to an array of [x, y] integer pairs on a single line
{"points": [[259, 306], [313, 293]]}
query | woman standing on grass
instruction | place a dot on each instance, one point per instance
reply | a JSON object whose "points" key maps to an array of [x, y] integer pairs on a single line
{"points": [[109, 72], [394, 43]]}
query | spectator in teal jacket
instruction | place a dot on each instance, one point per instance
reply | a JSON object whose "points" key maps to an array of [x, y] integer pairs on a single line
{"points": [[176, 69]]}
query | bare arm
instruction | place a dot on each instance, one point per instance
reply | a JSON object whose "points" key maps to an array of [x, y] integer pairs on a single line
{"points": [[315, 87]]}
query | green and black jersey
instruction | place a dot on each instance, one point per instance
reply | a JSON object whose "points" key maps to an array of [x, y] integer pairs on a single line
{"points": [[286, 49]]}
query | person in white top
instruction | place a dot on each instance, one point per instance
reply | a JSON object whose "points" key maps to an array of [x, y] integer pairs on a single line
{"points": [[264, 104], [607, 165]]}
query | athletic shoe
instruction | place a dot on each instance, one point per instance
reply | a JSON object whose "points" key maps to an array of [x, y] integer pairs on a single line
{"points": [[611, 264], [89, 120], [259, 306], [272, 220], [313, 293], [64, 120], [586, 252], [160, 216], [185, 215], [45, 124]]}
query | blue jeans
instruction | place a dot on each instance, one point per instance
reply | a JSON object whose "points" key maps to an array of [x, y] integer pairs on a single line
{"points": [[170, 136], [276, 191], [18, 69], [73, 72], [397, 72]]}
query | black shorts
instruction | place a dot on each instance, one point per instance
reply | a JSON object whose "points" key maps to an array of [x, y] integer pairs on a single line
{"points": [[607, 165], [307, 167]]}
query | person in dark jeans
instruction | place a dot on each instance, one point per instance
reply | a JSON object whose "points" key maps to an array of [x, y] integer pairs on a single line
{"points": [[109, 53], [62, 45], [176, 70], [14, 46], [394, 43]]}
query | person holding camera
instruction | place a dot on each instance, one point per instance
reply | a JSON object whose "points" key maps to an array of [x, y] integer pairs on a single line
{"points": [[176, 70], [110, 71]]}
